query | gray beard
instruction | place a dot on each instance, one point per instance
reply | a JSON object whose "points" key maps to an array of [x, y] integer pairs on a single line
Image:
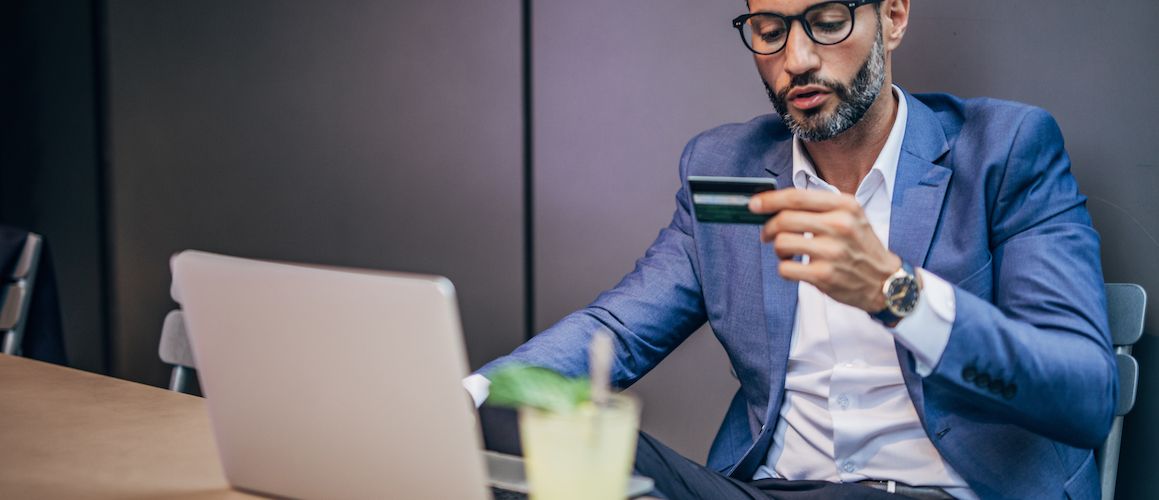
{"points": [[855, 98]]}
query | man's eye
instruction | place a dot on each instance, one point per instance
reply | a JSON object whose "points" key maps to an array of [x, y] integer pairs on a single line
{"points": [[829, 27], [772, 35]]}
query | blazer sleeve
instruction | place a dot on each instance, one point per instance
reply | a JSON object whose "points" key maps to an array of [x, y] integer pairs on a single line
{"points": [[1040, 355], [650, 312]]}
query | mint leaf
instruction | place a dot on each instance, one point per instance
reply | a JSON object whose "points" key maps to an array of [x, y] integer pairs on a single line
{"points": [[516, 385]]}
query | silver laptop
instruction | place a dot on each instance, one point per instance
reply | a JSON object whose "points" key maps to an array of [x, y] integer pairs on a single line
{"points": [[330, 383]]}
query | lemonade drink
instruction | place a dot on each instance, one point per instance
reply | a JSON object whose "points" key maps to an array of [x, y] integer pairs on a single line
{"points": [[586, 454]]}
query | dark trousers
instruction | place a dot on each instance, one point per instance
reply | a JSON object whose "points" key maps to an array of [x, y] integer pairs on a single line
{"points": [[678, 478]]}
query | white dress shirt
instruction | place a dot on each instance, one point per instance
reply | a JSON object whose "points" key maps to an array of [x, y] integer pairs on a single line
{"points": [[846, 414]]}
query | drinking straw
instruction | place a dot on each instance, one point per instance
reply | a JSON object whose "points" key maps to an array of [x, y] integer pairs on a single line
{"points": [[600, 365]]}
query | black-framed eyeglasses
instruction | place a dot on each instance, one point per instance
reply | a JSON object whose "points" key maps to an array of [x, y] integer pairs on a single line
{"points": [[826, 23]]}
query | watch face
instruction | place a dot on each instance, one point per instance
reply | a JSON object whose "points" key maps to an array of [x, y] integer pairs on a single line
{"points": [[902, 296]]}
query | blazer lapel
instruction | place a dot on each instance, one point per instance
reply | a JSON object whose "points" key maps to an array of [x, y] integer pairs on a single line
{"points": [[780, 295], [779, 301], [918, 196], [920, 185]]}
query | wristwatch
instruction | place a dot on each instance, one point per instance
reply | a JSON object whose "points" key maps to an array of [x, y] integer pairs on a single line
{"points": [[901, 291]]}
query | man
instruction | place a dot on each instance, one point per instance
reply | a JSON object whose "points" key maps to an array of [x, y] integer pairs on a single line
{"points": [[923, 314]]}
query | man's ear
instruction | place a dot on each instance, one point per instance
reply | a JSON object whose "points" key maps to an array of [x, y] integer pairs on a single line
{"points": [[894, 19]]}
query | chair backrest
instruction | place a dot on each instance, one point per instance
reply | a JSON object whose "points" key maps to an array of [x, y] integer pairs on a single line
{"points": [[174, 347], [1126, 307], [16, 292]]}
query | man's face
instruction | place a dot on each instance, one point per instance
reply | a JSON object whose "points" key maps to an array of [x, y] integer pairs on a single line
{"points": [[821, 91]]}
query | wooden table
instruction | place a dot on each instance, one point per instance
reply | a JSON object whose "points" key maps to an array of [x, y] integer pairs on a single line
{"points": [[66, 433]]}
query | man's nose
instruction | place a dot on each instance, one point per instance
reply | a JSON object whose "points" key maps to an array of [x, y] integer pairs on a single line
{"points": [[800, 51]]}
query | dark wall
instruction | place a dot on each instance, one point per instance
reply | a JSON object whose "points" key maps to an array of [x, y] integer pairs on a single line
{"points": [[382, 135], [50, 179]]}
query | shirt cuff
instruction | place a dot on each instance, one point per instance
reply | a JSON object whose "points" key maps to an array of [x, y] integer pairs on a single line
{"points": [[926, 331], [479, 387]]}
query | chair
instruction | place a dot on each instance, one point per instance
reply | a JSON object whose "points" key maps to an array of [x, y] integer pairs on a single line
{"points": [[174, 348], [1126, 305], [16, 293]]}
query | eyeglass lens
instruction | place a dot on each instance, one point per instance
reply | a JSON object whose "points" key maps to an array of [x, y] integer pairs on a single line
{"points": [[828, 23]]}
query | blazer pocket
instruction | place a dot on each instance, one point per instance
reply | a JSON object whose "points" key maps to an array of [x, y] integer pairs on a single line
{"points": [[981, 282]]}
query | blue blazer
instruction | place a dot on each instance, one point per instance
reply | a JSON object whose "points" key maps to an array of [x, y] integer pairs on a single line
{"points": [[983, 198]]}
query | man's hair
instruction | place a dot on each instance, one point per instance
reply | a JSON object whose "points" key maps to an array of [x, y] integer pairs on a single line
{"points": [[876, 6]]}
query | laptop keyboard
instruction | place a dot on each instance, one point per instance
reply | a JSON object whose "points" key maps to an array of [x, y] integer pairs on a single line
{"points": [[502, 494]]}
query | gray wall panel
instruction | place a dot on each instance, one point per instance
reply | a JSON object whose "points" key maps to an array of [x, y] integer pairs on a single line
{"points": [[360, 133], [620, 87]]}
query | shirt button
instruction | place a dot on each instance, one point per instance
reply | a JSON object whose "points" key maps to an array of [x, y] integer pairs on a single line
{"points": [[848, 467], [843, 402]]}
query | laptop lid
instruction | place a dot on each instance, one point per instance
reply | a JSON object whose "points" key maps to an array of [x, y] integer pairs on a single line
{"points": [[332, 383]]}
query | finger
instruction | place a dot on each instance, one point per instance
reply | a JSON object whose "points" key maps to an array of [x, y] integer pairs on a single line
{"points": [[799, 199], [795, 221], [814, 273], [789, 245]]}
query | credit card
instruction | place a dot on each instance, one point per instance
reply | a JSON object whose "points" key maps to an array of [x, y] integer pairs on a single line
{"points": [[726, 199]]}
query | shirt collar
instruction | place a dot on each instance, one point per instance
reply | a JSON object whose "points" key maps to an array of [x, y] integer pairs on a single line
{"points": [[884, 167]]}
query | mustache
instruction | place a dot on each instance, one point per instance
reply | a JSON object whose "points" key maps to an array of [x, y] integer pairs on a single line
{"points": [[810, 79]]}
